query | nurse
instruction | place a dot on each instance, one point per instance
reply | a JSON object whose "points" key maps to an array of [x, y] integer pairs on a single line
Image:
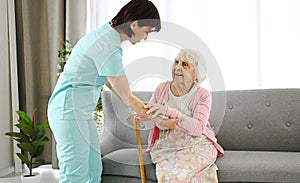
{"points": [[95, 60]]}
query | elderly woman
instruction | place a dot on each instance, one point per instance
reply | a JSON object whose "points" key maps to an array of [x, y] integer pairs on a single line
{"points": [[183, 151]]}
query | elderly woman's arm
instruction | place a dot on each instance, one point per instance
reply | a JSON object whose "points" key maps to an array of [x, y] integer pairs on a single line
{"points": [[194, 125]]}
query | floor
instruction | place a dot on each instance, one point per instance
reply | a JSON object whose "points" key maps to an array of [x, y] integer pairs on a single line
{"points": [[49, 175]]}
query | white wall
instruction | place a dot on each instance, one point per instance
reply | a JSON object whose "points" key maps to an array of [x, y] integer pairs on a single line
{"points": [[8, 87]]}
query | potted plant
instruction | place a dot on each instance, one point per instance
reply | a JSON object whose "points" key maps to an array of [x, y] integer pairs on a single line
{"points": [[98, 116], [63, 55], [30, 140]]}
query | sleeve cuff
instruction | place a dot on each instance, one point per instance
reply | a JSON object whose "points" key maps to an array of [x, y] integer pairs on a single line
{"points": [[173, 113]]}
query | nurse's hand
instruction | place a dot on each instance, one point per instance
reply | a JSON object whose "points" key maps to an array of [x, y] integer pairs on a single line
{"points": [[156, 109]]}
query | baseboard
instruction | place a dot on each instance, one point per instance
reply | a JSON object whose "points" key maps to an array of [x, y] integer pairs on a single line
{"points": [[6, 171]]}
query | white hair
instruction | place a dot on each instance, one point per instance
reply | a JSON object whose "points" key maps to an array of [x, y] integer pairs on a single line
{"points": [[197, 59]]}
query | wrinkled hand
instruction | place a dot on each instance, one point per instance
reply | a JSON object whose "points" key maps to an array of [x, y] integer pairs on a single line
{"points": [[134, 120], [169, 123], [156, 109], [131, 119]]}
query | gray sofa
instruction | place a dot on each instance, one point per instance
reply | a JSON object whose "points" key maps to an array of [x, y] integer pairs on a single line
{"points": [[259, 130]]}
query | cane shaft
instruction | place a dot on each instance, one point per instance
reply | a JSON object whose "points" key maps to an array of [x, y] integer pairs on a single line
{"points": [[140, 150]]}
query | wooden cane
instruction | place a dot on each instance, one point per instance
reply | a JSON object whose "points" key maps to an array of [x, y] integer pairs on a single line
{"points": [[140, 150]]}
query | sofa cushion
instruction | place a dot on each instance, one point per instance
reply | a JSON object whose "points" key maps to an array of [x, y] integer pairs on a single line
{"points": [[125, 163], [259, 166]]}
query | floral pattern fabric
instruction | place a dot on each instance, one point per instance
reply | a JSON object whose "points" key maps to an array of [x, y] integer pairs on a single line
{"points": [[181, 158]]}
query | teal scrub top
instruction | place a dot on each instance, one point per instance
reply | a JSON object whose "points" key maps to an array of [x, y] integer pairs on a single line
{"points": [[95, 56]]}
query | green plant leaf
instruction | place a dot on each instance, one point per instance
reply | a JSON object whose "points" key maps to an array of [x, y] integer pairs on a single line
{"points": [[39, 162], [42, 127], [22, 121], [24, 117], [17, 134], [40, 142], [25, 146], [60, 53], [99, 103], [21, 140], [25, 128], [64, 53], [24, 159], [37, 151], [39, 134]]}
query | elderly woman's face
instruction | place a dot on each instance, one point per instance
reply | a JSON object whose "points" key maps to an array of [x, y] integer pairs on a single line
{"points": [[183, 71]]}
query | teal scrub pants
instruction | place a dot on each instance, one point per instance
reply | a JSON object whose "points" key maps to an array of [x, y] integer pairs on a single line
{"points": [[78, 150]]}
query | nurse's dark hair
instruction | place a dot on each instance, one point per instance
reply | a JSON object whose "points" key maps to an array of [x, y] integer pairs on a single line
{"points": [[143, 11]]}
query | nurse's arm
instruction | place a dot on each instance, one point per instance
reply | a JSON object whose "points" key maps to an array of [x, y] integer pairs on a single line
{"points": [[116, 93], [120, 86], [111, 88]]}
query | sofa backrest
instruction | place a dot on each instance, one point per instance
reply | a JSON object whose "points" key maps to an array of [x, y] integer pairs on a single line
{"points": [[117, 132], [263, 120]]}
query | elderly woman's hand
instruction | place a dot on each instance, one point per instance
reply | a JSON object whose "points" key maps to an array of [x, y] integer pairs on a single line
{"points": [[156, 109], [169, 123], [134, 120]]}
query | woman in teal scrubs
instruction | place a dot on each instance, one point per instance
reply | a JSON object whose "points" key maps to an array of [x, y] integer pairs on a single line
{"points": [[95, 60]]}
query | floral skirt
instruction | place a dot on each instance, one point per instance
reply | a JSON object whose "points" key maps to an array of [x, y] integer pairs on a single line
{"points": [[192, 163]]}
